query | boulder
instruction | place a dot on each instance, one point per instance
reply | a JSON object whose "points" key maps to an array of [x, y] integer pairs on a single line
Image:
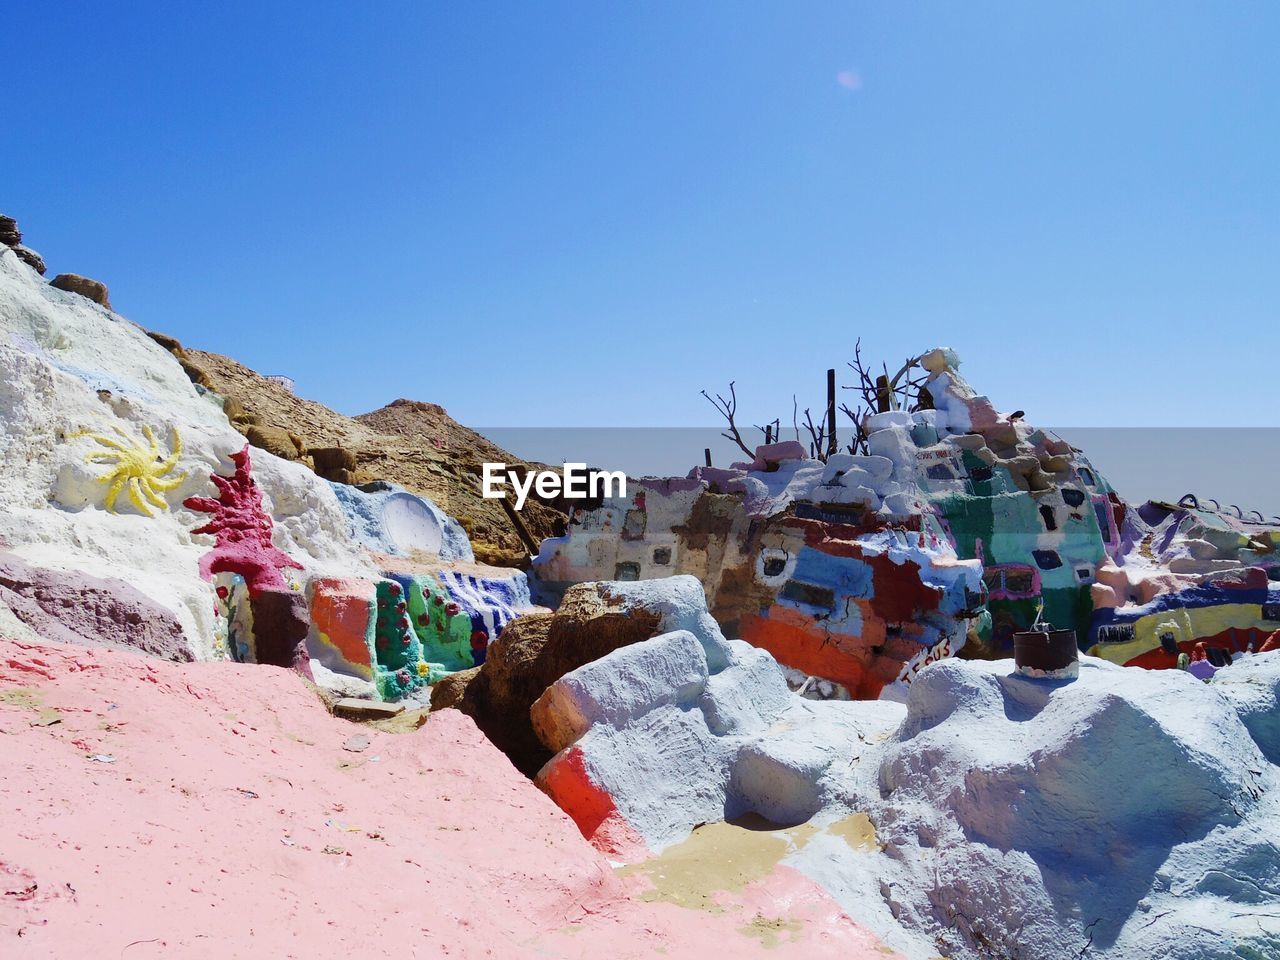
{"points": [[449, 691], [275, 440], [172, 344], [334, 463], [195, 373], [536, 650], [95, 290], [10, 235], [234, 409]]}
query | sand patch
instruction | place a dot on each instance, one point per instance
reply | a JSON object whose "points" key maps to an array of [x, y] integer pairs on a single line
{"points": [[25, 698], [716, 858], [857, 831], [771, 932]]}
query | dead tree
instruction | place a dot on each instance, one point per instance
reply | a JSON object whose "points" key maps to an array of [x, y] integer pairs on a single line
{"points": [[876, 393], [818, 447], [858, 444], [729, 409]]}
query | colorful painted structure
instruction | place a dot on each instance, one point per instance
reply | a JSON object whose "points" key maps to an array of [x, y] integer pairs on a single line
{"points": [[840, 569], [956, 531], [1236, 612], [393, 635]]}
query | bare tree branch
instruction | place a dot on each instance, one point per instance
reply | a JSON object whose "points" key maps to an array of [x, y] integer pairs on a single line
{"points": [[859, 442], [728, 409], [905, 390], [818, 434], [770, 430]]}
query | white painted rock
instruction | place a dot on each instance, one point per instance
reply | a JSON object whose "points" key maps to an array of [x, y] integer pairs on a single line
{"points": [[71, 371]]}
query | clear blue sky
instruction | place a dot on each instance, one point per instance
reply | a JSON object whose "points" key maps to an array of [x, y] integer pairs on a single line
{"points": [[557, 214]]}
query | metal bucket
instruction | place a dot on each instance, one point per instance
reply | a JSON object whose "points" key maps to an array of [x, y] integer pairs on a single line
{"points": [[1045, 650]]}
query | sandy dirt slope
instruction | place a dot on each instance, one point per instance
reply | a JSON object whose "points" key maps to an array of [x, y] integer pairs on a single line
{"points": [[152, 809]]}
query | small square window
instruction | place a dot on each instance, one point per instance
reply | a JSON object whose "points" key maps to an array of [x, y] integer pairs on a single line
{"points": [[1047, 559], [810, 594], [662, 556], [1047, 515]]}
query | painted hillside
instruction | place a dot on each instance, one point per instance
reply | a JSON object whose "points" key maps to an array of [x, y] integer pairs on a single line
{"points": [[947, 694]]}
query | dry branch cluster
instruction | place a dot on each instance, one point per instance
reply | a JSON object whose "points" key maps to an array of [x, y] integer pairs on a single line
{"points": [[876, 393]]}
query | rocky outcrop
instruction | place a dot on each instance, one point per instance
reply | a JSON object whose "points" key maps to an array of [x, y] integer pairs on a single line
{"points": [[415, 445], [335, 463], [30, 258], [283, 443], [94, 290], [449, 691], [11, 237]]}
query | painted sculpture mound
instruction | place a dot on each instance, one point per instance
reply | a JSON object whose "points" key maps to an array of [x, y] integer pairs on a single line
{"points": [[1125, 814], [127, 482], [957, 528]]}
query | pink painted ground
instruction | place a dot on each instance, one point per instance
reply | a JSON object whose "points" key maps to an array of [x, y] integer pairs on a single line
{"points": [[231, 822]]}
